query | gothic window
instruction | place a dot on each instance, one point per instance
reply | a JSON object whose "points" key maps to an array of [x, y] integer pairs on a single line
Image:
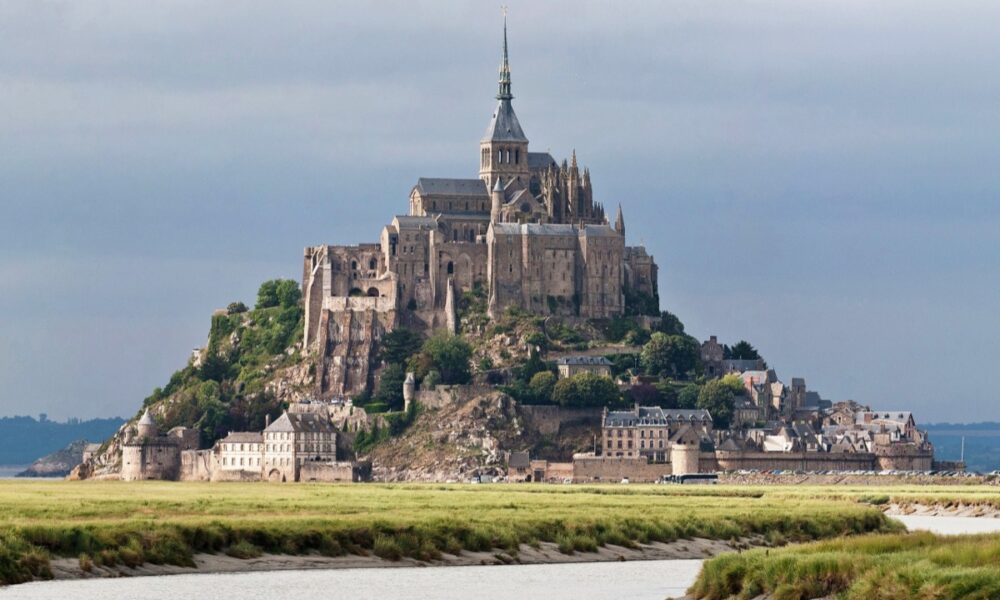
{"points": [[372, 264], [517, 157], [454, 235], [451, 268], [354, 265]]}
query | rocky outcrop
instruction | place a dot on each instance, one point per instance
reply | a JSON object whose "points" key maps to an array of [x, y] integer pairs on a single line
{"points": [[57, 464]]}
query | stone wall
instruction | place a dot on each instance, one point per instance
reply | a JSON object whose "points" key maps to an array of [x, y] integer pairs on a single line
{"points": [[609, 469], [328, 472], [795, 461], [197, 465], [903, 457]]}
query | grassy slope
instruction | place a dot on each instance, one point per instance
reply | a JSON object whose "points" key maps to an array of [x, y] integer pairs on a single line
{"points": [[872, 567], [131, 523]]}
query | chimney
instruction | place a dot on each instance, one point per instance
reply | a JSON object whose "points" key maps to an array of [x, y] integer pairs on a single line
{"points": [[267, 421]]}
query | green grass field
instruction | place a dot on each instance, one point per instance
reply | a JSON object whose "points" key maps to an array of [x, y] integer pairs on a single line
{"points": [[110, 523], [870, 567]]}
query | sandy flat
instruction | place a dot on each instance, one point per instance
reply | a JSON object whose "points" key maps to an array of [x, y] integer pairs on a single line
{"points": [[545, 553]]}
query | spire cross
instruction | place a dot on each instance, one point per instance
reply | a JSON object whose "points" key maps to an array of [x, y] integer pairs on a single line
{"points": [[504, 91]]}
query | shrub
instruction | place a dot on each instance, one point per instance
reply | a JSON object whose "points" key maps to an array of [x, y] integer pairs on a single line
{"points": [[243, 549], [236, 308]]}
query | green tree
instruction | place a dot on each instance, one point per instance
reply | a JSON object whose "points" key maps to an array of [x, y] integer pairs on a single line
{"points": [[447, 354], [235, 308], [288, 293], [390, 387], [532, 366], [718, 397], [542, 384], [278, 292], [688, 396], [670, 355], [670, 324], [743, 350], [267, 294], [586, 389], [399, 345]]}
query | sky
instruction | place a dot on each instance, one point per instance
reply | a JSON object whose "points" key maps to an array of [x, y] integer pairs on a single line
{"points": [[819, 178]]}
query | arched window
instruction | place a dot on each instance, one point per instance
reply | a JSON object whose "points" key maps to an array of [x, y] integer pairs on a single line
{"points": [[451, 268], [373, 292], [517, 156], [372, 264], [354, 265]]}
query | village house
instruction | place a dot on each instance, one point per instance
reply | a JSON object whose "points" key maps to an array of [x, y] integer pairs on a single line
{"points": [[571, 365], [294, 439]]}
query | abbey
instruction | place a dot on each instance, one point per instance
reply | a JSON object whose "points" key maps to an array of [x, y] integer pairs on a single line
{"points": [[527, 230]]}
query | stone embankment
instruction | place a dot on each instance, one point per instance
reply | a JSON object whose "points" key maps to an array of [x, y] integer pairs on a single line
{"points": [[865, 479]]}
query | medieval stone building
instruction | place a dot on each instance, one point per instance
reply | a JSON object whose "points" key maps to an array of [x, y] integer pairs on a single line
{"points": [[527, 230]]}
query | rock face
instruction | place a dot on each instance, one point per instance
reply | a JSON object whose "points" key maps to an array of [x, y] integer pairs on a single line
{"points": [[452, 443], [57, 464]]}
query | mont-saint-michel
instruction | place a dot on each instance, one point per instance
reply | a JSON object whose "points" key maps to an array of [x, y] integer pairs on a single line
{"points": [[501, 374]]}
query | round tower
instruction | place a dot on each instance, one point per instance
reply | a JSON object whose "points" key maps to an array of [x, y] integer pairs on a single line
{"points": [[497, 199], [146, 428]]}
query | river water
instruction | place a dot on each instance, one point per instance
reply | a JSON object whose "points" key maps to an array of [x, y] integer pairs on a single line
{"points": [[637, 580]]}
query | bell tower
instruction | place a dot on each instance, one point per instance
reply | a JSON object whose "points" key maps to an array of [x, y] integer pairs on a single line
{"points": [[503, 151]]}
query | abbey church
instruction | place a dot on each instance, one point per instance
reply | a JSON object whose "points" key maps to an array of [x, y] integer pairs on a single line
{"points": [[527, 231]]}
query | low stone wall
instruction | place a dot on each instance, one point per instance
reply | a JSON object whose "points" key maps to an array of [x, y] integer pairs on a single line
{"points": [[235, 475], [328, 472], [795, 461], [592, 469]]}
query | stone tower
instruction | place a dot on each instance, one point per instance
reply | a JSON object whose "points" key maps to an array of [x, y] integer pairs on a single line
{"points": [[146, 427], [503, 151], [496, 201]]}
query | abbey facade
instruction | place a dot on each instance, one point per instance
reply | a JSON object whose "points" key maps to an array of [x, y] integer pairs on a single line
{"points": [[527, 231]]}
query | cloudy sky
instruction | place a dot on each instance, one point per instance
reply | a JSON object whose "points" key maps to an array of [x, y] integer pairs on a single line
{"points": [[820, 178]]}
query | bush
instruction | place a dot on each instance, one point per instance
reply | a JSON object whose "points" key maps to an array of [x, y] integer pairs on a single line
{"points": [[236, 308], [586, 389], [542, 384], [448, 354]]}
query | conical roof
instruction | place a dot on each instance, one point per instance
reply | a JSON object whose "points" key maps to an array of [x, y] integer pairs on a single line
{"points": [[504, 126], [147, 419]]}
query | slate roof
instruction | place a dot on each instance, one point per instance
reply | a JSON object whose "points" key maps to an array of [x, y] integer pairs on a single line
{"points": [[654, 415], [451, 187], [584, 360], [245, 437], [302, 423], [541, 160], [504, 126]]}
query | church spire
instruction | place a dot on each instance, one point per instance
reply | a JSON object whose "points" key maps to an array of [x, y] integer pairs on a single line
{"points": [[504, 92], [620, 221]]}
